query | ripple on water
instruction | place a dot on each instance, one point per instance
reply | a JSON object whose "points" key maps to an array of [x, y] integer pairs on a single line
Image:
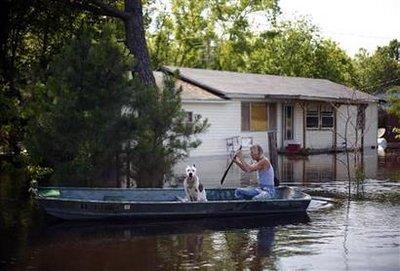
{"points": [[318, 203]]}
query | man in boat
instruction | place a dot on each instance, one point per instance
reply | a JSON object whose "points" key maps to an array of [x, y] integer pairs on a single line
{"points": [[265, 175]]}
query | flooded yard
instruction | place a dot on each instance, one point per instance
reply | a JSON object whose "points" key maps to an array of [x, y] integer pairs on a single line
{"points": [[327, 171], [336, 233]]}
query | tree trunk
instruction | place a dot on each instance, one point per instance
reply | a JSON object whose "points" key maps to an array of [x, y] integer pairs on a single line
{"points": [[136, 42]]}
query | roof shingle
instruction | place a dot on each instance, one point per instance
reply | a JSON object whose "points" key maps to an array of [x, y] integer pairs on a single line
{"points": [[236, 85]]}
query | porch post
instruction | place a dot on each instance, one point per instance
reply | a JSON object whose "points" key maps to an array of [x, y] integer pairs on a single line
{"points": [[273, 152], [304, 107], [335, 107]]}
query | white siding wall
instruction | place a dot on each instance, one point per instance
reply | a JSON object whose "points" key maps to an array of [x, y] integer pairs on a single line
{"points": [[319, 139], [347, 112], [322, 139], [225, 120], [371, 126], [346, 126], [315, 138]]}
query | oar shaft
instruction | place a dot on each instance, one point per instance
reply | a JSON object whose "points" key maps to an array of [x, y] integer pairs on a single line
{"points": [[226, 171]]}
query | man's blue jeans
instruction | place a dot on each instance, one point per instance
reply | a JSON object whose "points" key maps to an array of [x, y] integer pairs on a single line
{"points": [[251, 192]]}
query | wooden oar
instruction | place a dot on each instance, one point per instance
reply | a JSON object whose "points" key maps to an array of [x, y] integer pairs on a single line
{"points": [[230, 164]]}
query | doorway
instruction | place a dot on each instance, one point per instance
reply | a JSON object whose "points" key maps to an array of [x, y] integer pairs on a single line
{"points": [[288, 122]]}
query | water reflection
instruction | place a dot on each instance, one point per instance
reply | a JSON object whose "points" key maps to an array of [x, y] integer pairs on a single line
{"points": [[326, 167], [323, 174], [265, 240], [335, 235], [177, 245], [389, 165], [301, 170]]}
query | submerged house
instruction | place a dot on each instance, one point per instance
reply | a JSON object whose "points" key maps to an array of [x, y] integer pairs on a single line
{"points": [[314, 115]]}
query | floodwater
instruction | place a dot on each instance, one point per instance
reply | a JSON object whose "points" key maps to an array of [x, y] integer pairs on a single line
{"points": [[336, 233]]}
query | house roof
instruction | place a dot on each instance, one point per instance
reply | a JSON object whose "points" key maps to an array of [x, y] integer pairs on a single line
{"points": [[189, 91], [230, 85]]}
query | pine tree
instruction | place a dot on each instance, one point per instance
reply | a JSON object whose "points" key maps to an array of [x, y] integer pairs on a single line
{"points": [[77, 127], [89, 111], [162, 134]]}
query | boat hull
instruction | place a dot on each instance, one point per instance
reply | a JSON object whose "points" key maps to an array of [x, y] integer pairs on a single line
{"points": [[105, 203]]}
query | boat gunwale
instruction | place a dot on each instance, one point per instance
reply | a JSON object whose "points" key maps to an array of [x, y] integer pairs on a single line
{"points": [[67, 208], [305, 196]]}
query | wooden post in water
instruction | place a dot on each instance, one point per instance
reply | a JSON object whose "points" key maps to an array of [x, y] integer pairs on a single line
{"points": [[273, 152]]}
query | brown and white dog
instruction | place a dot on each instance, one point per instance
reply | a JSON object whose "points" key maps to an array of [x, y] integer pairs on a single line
{"points": [[193, 188]]}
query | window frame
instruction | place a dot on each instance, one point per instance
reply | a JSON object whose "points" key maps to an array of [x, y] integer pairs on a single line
{"points": [[247, 121], [312, 114], [326, 112], [288, 121], [189, 116], [322, 115]]}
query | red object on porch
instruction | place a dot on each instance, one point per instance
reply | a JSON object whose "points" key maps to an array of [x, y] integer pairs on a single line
{"points": [[292, 148]]}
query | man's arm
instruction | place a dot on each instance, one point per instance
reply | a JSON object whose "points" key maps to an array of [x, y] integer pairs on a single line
{"points": [[253, 167]]}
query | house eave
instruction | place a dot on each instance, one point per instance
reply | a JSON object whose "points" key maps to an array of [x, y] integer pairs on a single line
{"points": [[194, 82], [297, 98], [222, 101], [244, 96]]}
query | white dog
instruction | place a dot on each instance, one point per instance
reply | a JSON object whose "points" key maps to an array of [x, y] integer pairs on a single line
{"points": [[193, 188]]}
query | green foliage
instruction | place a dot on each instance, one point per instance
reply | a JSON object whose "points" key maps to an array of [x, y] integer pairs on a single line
{"points": [[31, 33], [394, 101], [379, 71], [296, 49], [359, 179], [75, 126], [39, 173], [183, 34], [162, 135], [204, 34], [89, 108], [394, 106], [8, 117], [218, 35], [289, 52], [332, 63]]}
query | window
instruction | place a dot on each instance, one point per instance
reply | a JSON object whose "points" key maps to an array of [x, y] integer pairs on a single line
{"points": [[319, 117], [254, 116], [326, 116], [288, 116], [361, 117], [312, 116], [245, 116], [189, 116]]}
